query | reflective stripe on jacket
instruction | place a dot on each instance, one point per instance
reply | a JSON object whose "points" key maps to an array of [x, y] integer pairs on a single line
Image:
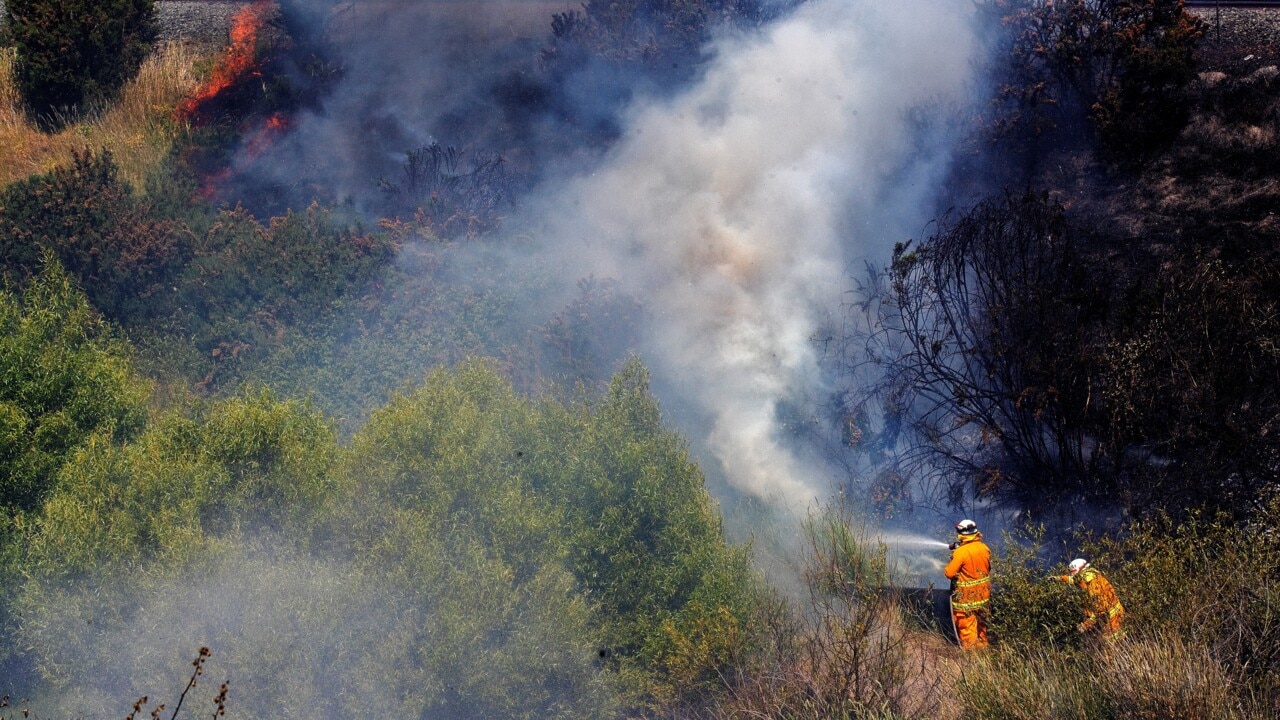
{"points": [[970, 573], [1102, 595]]}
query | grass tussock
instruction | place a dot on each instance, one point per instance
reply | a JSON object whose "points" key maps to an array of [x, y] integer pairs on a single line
{"points": [[137, 128], [1151, 678]]}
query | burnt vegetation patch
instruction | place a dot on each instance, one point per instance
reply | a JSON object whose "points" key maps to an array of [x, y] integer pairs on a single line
{"points": [[1101, 324]]}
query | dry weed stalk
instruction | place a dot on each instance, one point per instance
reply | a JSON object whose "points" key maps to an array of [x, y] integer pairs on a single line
{"points": [[219, 702]]}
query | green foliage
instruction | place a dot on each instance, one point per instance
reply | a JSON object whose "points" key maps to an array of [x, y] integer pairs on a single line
{"points": [[159, 500], [646, 540], [63, 377], [73, 53], [88, 217], [1200, 613], [600, 489], [251, 287], [1158, 677], [471, 553], [1030, 606], [1208, 579]]}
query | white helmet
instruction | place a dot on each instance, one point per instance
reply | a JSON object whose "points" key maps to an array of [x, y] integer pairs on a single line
{"points": [[1077, 565], [966, 527]]}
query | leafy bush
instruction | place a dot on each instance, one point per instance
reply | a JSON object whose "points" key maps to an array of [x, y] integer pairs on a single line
{"points": [[65, 377], [1158, 677], [1210, 580], [105, 237], [600, 489], [250, 289], [1030, 607], [73, 53], [1200, 612]]}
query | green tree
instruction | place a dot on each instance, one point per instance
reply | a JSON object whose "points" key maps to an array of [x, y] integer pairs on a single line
{"points": [[64, 378], [598, 487], [645, 538], [72, 53]]}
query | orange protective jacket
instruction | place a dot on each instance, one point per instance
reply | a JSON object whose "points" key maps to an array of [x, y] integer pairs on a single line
{"points": [[1103, 600], [970, 573]]}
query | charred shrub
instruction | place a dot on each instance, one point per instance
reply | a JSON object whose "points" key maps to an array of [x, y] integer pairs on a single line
{"points": [[72, 53], [1113, 69], [982, 339], [657, 33], [454, 194], [101, 233], [609, 49]]}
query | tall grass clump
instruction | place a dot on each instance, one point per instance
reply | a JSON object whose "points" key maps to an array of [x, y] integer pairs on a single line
{"points": [[137, 127], [1202, 617], [847, 649], [1148, 678]]}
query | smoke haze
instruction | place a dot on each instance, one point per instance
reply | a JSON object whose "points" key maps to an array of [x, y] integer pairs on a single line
{"points": [[736, 208], [733, 209]]}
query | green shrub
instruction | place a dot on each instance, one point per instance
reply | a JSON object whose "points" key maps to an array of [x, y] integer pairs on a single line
{"points": [[1202, 613], [1030, 607], [73, 53], [105, 237], [1209, 580], [63, 376], [598, 487]]}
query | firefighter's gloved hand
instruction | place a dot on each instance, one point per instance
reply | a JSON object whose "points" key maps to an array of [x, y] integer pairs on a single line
{"points": [[953, 546]]}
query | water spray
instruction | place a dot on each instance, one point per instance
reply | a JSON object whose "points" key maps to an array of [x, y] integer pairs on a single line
{"points": [[918, 554]]}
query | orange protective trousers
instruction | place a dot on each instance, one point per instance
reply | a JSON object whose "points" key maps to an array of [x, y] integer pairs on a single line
{"points": [[971, 628]]}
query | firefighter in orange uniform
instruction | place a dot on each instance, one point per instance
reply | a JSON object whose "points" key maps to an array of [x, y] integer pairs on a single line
{"points": [[1103, 609], [970, 575]]}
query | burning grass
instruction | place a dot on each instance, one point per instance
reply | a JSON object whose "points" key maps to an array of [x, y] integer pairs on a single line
{"points": [[137, 129], [240, 60]]}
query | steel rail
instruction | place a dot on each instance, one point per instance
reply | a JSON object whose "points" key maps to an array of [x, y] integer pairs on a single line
{"points": [[1235, 4]]}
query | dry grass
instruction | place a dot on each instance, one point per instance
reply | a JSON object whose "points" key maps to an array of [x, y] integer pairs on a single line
{"points": [[137, 128], [1143, 678]]}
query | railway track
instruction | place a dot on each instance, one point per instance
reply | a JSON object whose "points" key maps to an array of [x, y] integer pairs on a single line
{"points": [[1238, 4]]}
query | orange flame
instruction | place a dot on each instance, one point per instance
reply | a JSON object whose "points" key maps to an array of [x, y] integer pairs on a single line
{"points": [[254, 146], [237, 61], [266, 135]]}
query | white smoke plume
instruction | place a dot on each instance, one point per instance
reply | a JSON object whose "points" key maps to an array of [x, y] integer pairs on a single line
{"points": [[736, 207]]}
